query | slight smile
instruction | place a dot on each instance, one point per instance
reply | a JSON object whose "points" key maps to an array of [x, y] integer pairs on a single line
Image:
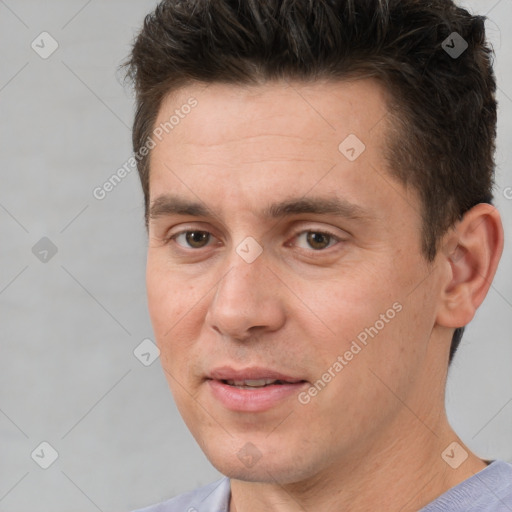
{"points": [[252, 389]]}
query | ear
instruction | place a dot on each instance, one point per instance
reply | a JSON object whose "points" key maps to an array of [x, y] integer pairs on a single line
{"points": [[471, 253]]}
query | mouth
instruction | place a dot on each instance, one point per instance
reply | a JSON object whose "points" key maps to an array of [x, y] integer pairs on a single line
{"points": [[252, 389], [258, 383]]}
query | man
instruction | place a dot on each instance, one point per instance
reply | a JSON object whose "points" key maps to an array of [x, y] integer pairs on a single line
{"points": [[318, 185]]}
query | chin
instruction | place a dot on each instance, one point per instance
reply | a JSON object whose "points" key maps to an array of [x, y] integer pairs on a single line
{"points": [[242, 460]]}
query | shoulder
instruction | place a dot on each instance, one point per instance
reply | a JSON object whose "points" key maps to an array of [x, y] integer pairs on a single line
{"points": [[211, 497], [489, 490]]}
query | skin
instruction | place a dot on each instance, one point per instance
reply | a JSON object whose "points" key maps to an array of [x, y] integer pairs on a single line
{"points": [[372, 439]]}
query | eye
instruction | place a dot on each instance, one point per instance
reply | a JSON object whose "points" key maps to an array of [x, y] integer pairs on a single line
{"points": [[193, 239], [317, 240]]}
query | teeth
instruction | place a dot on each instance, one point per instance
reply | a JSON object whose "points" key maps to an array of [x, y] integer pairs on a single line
{"points": [[252, 383]]}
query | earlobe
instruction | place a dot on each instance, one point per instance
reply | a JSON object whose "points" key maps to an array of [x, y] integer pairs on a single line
{"points": [[472, 250]]}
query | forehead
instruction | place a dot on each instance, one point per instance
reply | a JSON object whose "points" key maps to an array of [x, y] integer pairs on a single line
{"points": [[315, 110], [240, 146]]}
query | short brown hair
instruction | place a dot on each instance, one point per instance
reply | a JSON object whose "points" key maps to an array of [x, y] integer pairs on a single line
{"points": [[442, 105]]}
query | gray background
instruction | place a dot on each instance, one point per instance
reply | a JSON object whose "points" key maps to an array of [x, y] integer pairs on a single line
{"points": [[69, 326]]}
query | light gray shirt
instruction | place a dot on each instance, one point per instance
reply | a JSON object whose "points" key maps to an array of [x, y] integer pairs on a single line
{"points": [[489, 490]]}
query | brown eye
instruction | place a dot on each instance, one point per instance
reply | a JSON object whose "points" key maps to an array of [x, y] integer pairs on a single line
{"points": [[192, 239], [318, 240], [197, 239]]}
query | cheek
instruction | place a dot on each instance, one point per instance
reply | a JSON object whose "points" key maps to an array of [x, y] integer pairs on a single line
{"points": [[168, 292], [365, 317], [165, 305], [175, 309], [160, 305], [351, 302]]}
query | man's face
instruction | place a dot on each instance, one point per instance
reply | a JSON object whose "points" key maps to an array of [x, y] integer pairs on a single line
{"points": [[271, 281]]}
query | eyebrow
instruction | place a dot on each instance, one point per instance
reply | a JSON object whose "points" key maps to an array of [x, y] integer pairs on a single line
{"points": [[167, 205]]}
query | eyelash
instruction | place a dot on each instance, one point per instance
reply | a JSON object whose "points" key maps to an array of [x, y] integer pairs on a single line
{"points": [[298, 233]]}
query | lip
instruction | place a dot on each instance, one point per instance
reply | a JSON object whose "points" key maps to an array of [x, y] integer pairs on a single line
{"points": [[254, 372], [252, 400]]}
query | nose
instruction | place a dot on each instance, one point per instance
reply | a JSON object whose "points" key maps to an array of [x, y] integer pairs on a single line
{"points": [[248, 301]]}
